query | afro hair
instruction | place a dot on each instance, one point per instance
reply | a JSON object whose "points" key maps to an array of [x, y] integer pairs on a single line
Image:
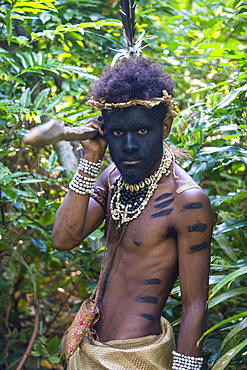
{"points": [[134, 78]]}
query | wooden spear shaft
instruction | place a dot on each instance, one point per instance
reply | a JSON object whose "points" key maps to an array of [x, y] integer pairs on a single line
{"points": [[54, 130]]}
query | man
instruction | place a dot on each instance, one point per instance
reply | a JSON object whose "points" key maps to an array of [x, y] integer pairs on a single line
{"points": [[158, 226]]}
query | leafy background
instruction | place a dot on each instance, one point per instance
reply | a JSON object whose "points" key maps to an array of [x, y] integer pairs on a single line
{"points": [[50, 53]]}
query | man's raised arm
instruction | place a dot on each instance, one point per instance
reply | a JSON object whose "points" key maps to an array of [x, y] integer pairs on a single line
{"points": [[79, 214]]}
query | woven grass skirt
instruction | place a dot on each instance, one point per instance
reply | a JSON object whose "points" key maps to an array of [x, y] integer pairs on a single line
{"points": [[153, 352]]}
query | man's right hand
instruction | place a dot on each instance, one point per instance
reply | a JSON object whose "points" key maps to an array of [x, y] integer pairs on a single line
{"points": [[94, 149]]}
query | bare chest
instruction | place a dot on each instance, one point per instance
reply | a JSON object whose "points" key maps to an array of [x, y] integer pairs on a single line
{"points": [[151, 230]]}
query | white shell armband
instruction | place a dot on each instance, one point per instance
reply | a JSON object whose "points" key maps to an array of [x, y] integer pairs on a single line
{"points": [[182, 362], [81, 184], [88, 167]]}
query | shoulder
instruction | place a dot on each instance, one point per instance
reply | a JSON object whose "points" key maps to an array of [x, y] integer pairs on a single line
{"points": [[107, 177], [189, 196]]}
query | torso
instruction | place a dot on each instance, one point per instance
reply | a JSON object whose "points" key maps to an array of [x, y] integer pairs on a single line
{"points": [[137, 284]]}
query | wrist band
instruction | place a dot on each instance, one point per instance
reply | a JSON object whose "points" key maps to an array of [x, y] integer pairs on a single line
{"points": [[88, 167], [182, 362], [82, 184]]}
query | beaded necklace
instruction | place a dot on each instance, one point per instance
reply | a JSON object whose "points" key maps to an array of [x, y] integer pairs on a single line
{"points": [[128, 201]]}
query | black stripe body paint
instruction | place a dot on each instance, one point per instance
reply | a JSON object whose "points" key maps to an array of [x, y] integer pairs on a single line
{"points": [[198, 247], [163, 196], [197, 227], [147, 316], [164, 204], [148, 299], [194, 205], [166, 212], [152, 281]]}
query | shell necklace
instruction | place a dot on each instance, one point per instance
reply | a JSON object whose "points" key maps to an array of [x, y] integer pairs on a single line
{"points": [[128, 201]]}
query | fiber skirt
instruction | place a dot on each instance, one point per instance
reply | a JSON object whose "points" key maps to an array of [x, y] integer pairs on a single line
{"points": [[153, 352]]}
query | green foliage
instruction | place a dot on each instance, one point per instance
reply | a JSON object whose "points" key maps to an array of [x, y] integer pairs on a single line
{"points": [[50, 52]]}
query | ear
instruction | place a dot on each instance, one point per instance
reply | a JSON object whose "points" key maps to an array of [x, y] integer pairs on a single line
{"points": [[167, 124]]}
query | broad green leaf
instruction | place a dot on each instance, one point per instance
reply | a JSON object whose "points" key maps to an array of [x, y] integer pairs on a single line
{"points": [[35, 4], [28, 10], [235, 331], [226, 245], [231, 319], [225, 296], [21, 194], [52, 160], [30, 181], [47, 218], [227, 357], [23, 58], [33, 7], [53, 345], [222, 149], [38, 348], [8, 27], [231, 225], [54, 359], [41, 98], [49, 3], [226, 101], [227, 280], [25, 99], [55, 101]]}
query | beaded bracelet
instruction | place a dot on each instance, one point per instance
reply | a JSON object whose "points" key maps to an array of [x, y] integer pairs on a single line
{"points": [[182, 362], [88, 167], [82, 185]]}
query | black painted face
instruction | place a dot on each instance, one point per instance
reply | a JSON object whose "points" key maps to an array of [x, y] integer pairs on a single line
{"points": [[134, 136]]}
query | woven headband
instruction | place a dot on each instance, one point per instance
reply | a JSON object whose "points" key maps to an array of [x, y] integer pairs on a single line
{"points": [[166, 99]]}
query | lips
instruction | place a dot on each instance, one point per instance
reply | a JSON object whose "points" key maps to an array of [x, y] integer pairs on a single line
{"points": [[130, 159], [131, 163]]}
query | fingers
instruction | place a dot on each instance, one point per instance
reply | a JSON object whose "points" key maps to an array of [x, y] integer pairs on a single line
{"points": [[96, 124]]}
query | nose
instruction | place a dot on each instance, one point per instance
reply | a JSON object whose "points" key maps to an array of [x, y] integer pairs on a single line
{"points": [[130, 144]]}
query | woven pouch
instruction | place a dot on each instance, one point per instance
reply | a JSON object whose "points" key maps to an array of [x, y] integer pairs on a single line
{"points": [[87, 315]]}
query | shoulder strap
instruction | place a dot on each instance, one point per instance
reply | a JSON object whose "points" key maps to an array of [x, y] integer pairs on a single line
{"points": [[188, 185], [104, 266]]}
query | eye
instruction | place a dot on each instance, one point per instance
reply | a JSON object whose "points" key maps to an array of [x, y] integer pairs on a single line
{"points": [[142, 131], [117, 133]]}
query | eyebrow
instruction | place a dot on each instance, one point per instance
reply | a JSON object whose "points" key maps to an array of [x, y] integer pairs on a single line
{"points": [[138, 125]]}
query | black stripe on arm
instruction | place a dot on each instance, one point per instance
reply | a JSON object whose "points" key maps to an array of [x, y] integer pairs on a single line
{"points": [[193, 205], [163, 196], [147, 299], [166, 212], [164, 204], [147, 316], [198, 247], [152, 281], [200, 227]]}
